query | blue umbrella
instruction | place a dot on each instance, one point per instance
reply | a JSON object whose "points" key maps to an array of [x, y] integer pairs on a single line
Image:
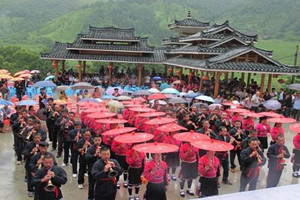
{"points": [[157, 78], [44, 84], [170, 91], [89, 100], [108, 97], [192, 95], [6, 103], [27, 103], [49, 77], [164, 86]]}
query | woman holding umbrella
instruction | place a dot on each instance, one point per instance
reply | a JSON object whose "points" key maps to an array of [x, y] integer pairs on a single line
{"points": [[275, 131]]}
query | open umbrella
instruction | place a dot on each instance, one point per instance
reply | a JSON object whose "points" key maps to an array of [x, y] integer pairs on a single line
{"points": [[108, 97], [115, 104], [142, 93], [89, 100], [19, 73], [156, 148], [160, 120], [62, 87], [170, 91], [295, 127], [17, 79], [239, 110], [270, 114], [3, 71], [25, 76], [111, 90], [153, 90], [5, 102], [190, 136], [160, 102], [177, 100], [212, 145], [59, 102], [123, 98], [34, 72], [151, 114], [139, 99], [27, 103], [101, 115], [205, 98], [118, 131], [214, 106], [44, 84], [157, 78], [5, 76], [272, 104], [171, 127], [192, 95], [142, 109], [95, 110], [82, 86], [163, 86], [294, 87], [252, 114], [49, 78], [157, 96], [134, 137], [230, 103], [111, 121], [283, 120]]}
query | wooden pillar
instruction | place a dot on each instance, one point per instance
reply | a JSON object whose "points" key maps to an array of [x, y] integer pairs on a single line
{"points": [[166, 70], [55, 66], [140, 68], [171, 71], [217, 83], [243, 77], [232, 75], [84, 67], [79, 66], [269, 82], [201, 80], [249, 79], [262, 83], [109, 67], [226, 77], [63, 66]]}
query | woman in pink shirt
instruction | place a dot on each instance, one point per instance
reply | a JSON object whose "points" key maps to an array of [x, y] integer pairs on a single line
{"points": [[248, 124], [263, 128], [276, 130], [236, 117]]}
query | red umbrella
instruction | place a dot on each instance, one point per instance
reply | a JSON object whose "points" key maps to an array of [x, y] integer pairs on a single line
{"points": [[172, 127], [111, 121], [212, 145], [156, 148], [157, 96], [252, 114], [134, 137], [151, 114], [270, 114], [230, 104], [94, 110], [142, 109], [139, 99], [118, 131], [87, 103], [190, 136], [295, 127], [239, 110], [100, 115], [127, 102], [160, 120], [281, 120], [133, 105]]}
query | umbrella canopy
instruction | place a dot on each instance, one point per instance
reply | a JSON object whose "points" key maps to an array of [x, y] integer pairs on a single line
{"points": [[133, 105], [177, 100], [156, 148], [160, 120], [19, 73], [48, 78], [111, 90], [5, 76], [139, 99], [82, 86], [25, 75], [142, 109], [171, 127], [294, 87], [151, 114], [214, 106], [111, 121], [95, 110], [27, 103], [295, 127], [115, 104], [205, 98], [212, 145], [190, 136], [272, 104], [59, 102], [192, 95], [100, 115], [123, 98], [270, 114], [142, 93], [17, 79], [170, 96], [252, 114], [3, 71], [62, 87], [108, 97], [44, 84], [89, 100], [283, 120], [239, 110], [5, 102], [118, 131], [34, 72], [164, 86], [230, 104], [160, 102], [153, 90], [157, 78], [134, 137], [170, 91], [157, 96]]}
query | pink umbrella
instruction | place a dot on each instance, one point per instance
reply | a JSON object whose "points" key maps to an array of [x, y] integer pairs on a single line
{"points": [[110, 91]]}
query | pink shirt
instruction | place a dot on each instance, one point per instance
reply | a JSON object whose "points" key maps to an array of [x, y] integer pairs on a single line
{"points": [[276, 131], [296, 141], [212, 171], [248, 124], [235, 118], [262, 130]]}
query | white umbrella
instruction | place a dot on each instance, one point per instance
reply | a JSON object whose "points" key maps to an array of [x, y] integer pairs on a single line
{"points": [[82, 86], [294, 87], [62, 87], [205, 98], [153, 90], [123, 98], [160, 102], [177, 100], [213, 106]]}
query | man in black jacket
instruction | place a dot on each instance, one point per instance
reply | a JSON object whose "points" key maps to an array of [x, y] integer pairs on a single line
{"points": [[105, 186], [252, 158], [276, 154]]}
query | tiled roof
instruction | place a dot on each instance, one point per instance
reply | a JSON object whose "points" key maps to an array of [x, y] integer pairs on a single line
{"points": [[191, 22]]}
